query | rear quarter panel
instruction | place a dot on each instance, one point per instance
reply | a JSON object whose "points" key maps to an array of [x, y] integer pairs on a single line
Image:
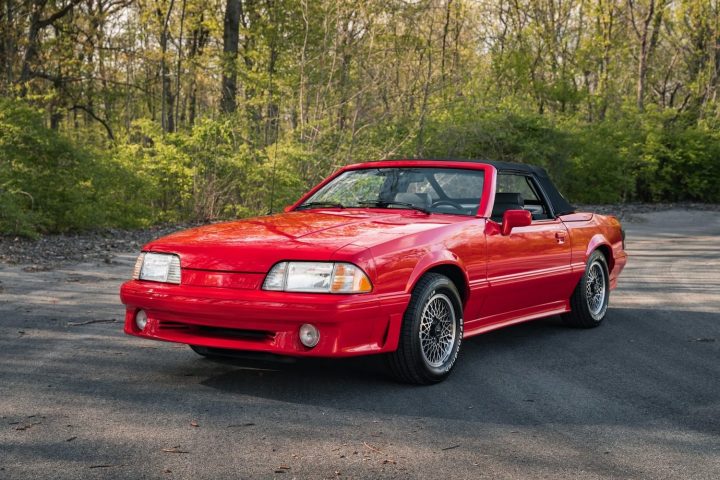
{"points": [[589, 232]]}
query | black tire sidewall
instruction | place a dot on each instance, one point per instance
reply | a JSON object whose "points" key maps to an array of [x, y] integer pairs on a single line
{"points": [[443, 285], [203, 351]]}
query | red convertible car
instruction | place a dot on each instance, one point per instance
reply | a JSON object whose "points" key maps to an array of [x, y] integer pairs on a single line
{"points": [[403, 258]]}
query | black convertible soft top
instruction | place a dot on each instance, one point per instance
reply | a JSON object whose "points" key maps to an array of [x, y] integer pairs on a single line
{"points": [[558, 203]]}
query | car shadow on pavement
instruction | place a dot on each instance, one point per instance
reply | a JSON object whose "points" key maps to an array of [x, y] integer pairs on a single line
{"points": [[637, 368]]}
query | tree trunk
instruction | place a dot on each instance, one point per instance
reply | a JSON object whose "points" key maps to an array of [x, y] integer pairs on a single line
{"points": [[37, 23], [648, 36], [420, 146], [31, 47], [199, 39], [231, 38], [167, 118], [606, 22], [446, 27], [8, 43], [178, 67], [273, 110]]}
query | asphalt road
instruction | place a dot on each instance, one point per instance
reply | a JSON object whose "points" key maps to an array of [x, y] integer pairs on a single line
{"points": [[638, 397]]}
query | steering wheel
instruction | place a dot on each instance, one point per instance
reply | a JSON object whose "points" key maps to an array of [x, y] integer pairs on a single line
{"points": [[450, 203]]}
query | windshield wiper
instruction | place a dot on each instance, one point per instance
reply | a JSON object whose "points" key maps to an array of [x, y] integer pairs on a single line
{"points": [[385, 204], [320, 204]]}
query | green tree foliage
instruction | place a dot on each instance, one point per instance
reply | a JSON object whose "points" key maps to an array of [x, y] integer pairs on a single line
{"points": [[47, 183], [130, 112]]}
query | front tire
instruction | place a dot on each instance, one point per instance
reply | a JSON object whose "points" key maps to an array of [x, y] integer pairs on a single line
{"points": [[202, 351], [431, 332], [589, 301]]}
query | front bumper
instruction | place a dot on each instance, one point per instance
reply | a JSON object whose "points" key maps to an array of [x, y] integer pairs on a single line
{"points": [[262, 321]]}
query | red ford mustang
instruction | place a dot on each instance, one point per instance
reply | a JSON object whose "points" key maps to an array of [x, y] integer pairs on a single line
{"points": [[403, 258]]}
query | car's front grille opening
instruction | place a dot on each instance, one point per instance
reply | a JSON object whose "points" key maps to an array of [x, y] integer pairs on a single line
{"points": [[174, 326], [235, 333], [216, 332]]}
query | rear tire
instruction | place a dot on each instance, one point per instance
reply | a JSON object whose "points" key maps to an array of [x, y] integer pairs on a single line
{"points": [[431, 332], [589, 301]]}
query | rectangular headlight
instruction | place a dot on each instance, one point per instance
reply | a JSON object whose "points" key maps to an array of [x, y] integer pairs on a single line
{"points": [[308, 276], [159, 267], [317, 277]]}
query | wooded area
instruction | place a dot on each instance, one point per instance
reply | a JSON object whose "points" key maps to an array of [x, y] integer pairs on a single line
{"points": [[132, 112]]}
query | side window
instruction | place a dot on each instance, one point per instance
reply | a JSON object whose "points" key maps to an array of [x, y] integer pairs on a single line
{"points": [[525, 186]]}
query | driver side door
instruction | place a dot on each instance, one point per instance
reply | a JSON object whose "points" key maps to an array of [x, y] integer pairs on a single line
{"points": [[529, 269]]}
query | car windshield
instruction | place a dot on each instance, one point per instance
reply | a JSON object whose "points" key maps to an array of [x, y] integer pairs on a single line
{"points": [[432, 190]]}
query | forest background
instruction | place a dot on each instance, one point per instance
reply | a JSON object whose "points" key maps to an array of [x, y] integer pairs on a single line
{"points": [[128, 113]]}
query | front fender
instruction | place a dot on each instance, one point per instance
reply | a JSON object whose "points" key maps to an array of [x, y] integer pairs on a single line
{"points": [[434, 259]]}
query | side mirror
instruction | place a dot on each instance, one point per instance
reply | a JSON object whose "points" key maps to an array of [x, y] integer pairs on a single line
{"points": [[515, 218]]}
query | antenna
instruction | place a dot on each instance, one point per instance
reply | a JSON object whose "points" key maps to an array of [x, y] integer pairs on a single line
{"points": [[277, 140]]}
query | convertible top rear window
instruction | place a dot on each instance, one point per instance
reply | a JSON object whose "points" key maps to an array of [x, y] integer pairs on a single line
{"points": [[440, 190]]}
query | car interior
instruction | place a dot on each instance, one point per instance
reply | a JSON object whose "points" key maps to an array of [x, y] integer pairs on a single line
{"points": [[518, 192], [438, 190], [420, 199], [506, 201], [515, 192]]}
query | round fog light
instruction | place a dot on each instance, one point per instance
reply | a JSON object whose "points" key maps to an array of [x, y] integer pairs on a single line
{"points": [[141, 319], [309, 335]]}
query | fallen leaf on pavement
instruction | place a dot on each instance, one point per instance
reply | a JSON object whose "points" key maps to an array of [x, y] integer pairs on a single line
{"points": [[371, 447]]}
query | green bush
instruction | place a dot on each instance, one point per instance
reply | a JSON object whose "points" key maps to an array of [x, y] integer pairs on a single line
{"points": [[48, 184], [628, 157], [211, 172]]}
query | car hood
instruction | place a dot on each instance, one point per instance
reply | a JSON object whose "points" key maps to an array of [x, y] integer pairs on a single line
{"points": [[256, 244]]}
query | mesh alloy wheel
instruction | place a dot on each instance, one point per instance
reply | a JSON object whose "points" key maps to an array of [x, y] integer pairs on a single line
{"points": [[437, 330], [595, 288]]}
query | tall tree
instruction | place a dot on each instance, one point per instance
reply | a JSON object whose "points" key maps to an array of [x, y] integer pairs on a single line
{"points": [[38, 22], [231, 39], [646, 21]]}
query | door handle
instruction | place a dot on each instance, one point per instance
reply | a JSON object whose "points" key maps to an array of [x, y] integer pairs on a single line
{"points": [[560, 237]]}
